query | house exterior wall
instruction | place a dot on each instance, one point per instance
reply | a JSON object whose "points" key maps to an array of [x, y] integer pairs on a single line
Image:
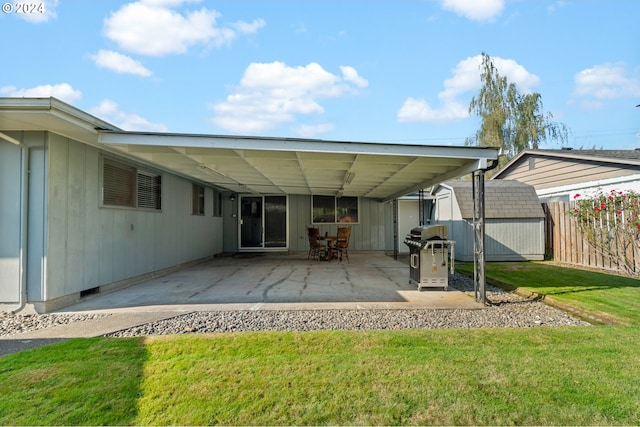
{"points": [[366, 235], [10, 219], [87, 245], [408, 218], [545, 172], [22, 217]]}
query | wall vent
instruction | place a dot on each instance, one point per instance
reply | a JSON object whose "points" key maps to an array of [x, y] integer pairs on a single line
{"points": [[91, 291]]}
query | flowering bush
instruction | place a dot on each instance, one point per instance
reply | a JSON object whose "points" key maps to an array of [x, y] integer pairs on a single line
{"points": [[610, 222]]}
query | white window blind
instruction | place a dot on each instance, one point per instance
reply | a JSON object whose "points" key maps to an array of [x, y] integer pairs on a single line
{"points": [[125, 185], [119, 182], [149, 190]]}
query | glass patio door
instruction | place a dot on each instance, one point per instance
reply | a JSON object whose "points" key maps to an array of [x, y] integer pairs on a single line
{"points": [[263, 222]]}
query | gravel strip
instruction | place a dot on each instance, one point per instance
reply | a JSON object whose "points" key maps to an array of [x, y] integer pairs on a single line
{"points": [[508, 310], [18, 323]]}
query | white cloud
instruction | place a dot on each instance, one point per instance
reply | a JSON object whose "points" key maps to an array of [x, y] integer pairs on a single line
{"points": [[63, 91], [466, 79], [271, 94], [36, 12], [119, 63], [603, 82], [476, 10], [154, 27], [351, 75], [418, 110], [109, 111], [248, 27]]}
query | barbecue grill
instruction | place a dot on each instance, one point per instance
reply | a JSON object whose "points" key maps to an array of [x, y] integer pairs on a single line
{"points": [[429, 250]]}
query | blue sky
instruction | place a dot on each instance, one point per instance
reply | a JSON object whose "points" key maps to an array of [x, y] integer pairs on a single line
{"points": [[348, 70]]}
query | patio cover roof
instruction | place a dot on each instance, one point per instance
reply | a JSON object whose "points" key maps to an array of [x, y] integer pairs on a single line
{"points": [[257, 164]]}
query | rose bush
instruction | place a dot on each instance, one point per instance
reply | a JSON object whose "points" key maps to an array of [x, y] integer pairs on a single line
{"points": [[610, 222]]}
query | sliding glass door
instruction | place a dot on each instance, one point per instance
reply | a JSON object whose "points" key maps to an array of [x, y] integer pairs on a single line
{"points": [[263, 222]]}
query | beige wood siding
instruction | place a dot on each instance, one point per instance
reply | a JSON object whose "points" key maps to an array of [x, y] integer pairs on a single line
{"points": [[553, 172]]}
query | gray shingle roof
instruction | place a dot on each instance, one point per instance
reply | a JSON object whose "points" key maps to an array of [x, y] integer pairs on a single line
{"points": [[503, 199]]}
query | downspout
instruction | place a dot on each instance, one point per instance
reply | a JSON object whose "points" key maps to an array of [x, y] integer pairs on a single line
{"points": [[24, 217]]}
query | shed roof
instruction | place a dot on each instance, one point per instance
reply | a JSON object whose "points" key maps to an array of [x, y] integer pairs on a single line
{"points": [[503, 199]]}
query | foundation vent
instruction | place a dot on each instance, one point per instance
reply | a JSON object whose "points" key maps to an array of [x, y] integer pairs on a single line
{"points": [[91, 291]]}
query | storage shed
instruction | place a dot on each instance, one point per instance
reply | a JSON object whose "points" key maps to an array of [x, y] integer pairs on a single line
{"points": [[514, 219]]}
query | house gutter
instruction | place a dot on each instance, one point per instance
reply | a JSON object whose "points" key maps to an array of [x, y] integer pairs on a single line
{"points": [[24, 206]]}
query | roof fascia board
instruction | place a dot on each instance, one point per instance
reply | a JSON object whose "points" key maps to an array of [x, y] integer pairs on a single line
{"points": [[567, 154], [510, 163], [298, 145], [58, 109], [466, 169]]}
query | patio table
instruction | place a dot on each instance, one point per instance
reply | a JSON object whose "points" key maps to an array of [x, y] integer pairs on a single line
{"points": [[331, 245]]}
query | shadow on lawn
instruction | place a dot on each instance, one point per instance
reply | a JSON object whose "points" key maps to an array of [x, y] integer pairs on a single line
{"points": [[93, 381]]}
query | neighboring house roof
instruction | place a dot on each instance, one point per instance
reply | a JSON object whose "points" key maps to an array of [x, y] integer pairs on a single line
{"points": [[503, 199]]}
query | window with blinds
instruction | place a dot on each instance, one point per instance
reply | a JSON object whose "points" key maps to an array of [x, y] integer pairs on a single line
{"points": [[124, 185], [197, 199], [149, 190]]}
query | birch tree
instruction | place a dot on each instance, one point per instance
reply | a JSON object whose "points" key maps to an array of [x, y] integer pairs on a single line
{"points": [[509, 119]]}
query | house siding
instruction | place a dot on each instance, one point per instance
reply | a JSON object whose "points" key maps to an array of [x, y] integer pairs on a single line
{"points": [[10, 219], [550, 172], [366, 235], [89, 245]]}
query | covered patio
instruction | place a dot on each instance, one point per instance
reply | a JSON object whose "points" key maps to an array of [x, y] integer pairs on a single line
{"points": [[371, 280], [95, 207]]}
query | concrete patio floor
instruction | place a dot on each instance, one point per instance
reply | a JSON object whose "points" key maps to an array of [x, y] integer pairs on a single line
{"points": [[371, 280]]}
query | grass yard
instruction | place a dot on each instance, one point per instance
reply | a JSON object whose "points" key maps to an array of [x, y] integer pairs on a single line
{"points": [[534, 376], [539, 376], [598, 297]]}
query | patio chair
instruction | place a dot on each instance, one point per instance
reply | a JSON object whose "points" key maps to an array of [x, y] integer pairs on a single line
{"points": [[316, 249], [342, 245]]}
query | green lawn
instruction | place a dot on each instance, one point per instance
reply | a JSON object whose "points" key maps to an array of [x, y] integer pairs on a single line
{"points": [[608, 298], [541, 376], [533, 376]]}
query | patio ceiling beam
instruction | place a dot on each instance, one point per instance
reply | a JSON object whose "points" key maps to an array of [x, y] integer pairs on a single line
{"points": [[211, 171], [396, 173], [472, 166], [255, 167], [300, 165]]}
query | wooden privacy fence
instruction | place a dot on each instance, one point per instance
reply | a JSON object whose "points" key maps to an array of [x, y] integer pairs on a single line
{"points": [[564, 241]]}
